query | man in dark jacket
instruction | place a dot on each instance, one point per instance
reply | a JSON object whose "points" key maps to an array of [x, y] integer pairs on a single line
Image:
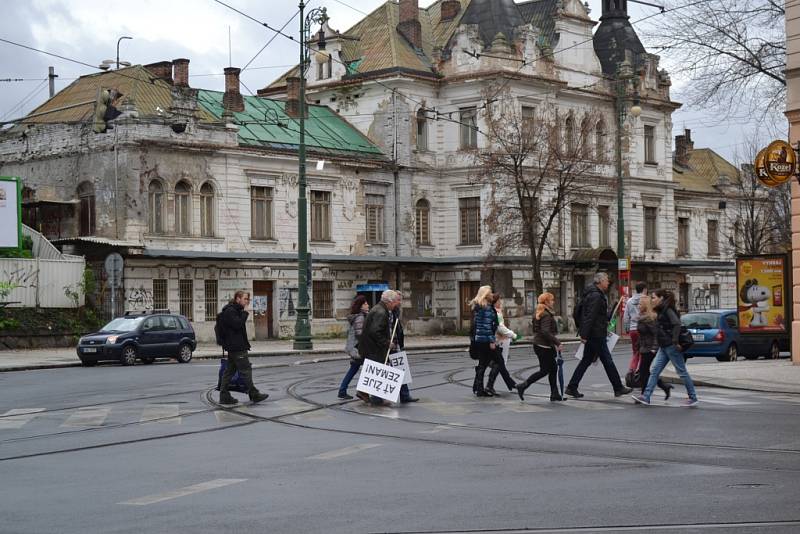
{"points": [[593, 329], [399, 345], [375, 340], [234, 340]]}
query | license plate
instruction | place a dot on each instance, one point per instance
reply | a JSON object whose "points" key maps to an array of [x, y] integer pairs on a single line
{"points": [[90, 349], [698, 337]]}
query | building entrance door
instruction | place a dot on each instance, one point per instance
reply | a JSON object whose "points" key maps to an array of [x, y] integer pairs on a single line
{"points": [[466, 292], [262, 305]]}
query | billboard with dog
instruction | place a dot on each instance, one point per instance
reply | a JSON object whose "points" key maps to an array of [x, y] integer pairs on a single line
{"points": [[761, 293]]}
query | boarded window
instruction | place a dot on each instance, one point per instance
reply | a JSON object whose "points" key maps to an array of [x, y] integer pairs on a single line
{"points": [[569, 137], [322, 299], [470, 214], [683, 236], [212, 299], [422, 298], [183, 208], [650, 144], [422, 130], [600, 141], [207, 210], [320, 216], [186, 298], [468, 119], [528, 120], [87, 213], [375, 220], [422, 228], [261, 212], [650, 228], [530, 297], [155, 205], [713, 237], [160, 301], [580, 225]]}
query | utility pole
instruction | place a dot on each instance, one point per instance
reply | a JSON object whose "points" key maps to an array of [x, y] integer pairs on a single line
{"points": [[51, 75], [302, 328]]}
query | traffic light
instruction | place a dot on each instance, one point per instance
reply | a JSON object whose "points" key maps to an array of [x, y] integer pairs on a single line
{"points": [[103, 111]]}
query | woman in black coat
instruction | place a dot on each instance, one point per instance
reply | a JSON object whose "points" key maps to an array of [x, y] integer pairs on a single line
{"points": [[546, 346], [648, 343]]}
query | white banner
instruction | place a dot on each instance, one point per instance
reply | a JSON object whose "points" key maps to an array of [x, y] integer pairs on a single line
{"points": [[399, 360], [611, 342], [380, 380]]}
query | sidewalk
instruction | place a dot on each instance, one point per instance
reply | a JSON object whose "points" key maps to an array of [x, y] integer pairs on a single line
{"points": [[773, 376]]}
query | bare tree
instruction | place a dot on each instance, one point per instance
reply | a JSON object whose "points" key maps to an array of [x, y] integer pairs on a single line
{"points": [[535, 166], [732, 51], [760, 217]]}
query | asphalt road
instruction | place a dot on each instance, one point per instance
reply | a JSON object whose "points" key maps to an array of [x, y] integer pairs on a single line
{"points": [[144, 449]]}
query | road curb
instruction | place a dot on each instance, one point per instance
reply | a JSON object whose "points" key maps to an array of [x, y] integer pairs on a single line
{"points": [[726, 384]]}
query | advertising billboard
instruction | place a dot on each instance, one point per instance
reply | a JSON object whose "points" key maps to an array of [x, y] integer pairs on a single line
{"points": [[761, 294], [10, 212]]}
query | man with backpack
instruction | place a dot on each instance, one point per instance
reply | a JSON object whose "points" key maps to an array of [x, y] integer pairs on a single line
{"points": [[591, 318], [232, 335]]}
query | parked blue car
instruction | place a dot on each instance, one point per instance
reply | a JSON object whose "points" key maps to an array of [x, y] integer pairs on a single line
{"points": [[716, 333], [140, 335]]}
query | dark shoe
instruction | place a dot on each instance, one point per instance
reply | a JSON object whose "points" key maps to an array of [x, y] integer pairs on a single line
{"points": [[491, 392], [410, 399], [258, 397], [624, 390], [521, 391], [345, 396], [227, 399], [573, 392], [667, 389], [512, 387], [363, 396], [556, 397], [481, 393]]}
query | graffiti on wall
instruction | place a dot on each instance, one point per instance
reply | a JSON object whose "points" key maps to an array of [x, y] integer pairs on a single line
{"points": [[139, 298], [21, 277], [287, 299]]}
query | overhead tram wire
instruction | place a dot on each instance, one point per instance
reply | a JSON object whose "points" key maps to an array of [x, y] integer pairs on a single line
{"points": [[19, 105]]}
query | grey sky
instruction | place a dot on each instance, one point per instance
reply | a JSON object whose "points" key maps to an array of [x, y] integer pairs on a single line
{"points": [[87, 30]]}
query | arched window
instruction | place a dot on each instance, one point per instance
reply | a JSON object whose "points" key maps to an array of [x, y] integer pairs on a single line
{"points": [[86, 210], [183, 208], [422, 228], [600, 141], [585, 143], [569, 136], [207, 210], [422, 130], [155, 208]]}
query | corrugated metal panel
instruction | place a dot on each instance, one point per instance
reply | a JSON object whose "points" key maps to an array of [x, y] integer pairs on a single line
{"points": [[42, 282]]}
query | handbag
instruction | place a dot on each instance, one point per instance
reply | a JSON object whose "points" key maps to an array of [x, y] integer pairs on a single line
{"points": [[473, 351], [633, 379], [685, 339]]}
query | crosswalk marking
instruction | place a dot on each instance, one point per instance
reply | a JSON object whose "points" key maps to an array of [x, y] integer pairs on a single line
{"points": [[528, 408], [792, 399], [344, 452], [725, 401], [87, 417], [18, 417], [224, 416], [183, 492], [592, 405], [161, 413]]}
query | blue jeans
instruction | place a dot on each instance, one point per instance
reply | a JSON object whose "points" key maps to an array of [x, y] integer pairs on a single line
{"points": [[669, 354], [349, 376]]}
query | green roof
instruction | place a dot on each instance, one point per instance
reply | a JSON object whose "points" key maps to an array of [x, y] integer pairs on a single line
{"points": [[264, 123]]}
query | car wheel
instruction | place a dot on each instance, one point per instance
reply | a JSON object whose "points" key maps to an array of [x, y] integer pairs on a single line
{"points": [[774, 351], [88, 363], [731, 354], [128, 355], [185, 353], [148, 360]]}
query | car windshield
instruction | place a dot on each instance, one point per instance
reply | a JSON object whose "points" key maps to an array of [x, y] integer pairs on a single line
{"points": [[700, 321], [122, 324]]}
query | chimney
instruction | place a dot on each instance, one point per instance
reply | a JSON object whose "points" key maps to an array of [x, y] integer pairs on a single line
{"points": [[409, 26], [232, 100], [180, 72], [450, 9], [162, 69], [683, 145], [293, 97]]}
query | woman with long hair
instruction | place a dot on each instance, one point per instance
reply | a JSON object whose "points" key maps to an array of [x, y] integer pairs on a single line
{"points": [[358, 312], [504, 337], [669, 329], [647, 329], [546, 346], [482, 336]]}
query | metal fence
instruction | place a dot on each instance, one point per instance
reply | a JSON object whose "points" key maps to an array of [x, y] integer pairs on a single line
{"points": [[42, 283]]}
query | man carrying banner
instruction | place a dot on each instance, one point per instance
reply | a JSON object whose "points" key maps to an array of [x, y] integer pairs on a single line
{"points": [[397, 346], [376, 337]]}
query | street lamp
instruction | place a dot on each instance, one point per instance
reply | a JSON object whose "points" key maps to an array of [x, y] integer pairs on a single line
{"points": [[118, 41], [302, 327], [622, 81]]}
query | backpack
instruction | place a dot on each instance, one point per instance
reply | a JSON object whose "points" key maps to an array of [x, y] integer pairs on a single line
{"points": [[577, 314], [219, 334]]}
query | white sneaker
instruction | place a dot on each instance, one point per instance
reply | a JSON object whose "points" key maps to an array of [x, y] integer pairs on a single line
{"points": [[641, 399], [691, 403]]}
